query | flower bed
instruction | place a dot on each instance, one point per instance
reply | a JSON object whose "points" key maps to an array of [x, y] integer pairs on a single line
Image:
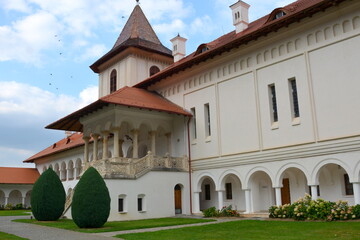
{"points": [[226, 211], [308, 209]]}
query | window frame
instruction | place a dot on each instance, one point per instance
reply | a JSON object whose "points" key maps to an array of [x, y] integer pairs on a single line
{"points": [[274, 114], [113, 81], [348, 186], [294, 98], [228, 191], [207, 119]]}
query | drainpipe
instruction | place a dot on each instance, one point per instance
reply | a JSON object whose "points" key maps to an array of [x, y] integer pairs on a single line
{"points": [[189, 154]]}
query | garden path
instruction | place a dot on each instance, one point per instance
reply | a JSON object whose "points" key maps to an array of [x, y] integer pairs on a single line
{"points": [[36, 232]]}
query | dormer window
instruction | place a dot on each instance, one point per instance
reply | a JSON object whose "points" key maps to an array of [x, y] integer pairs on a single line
{"points": [[113, 81], [279, 15], [276, 14], [202, 48], [154, 70]]}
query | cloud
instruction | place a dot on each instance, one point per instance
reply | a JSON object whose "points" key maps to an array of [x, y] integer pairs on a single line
{"points": [[15, 5], [19, 98], [25, 110], [94, 51], [13, 157], [25, 39]]}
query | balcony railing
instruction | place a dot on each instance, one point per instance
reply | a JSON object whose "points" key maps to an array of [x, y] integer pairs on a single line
{"points": [[121, 167]]}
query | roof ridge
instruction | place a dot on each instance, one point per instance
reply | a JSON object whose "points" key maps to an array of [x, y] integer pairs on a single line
{"points": [[137, 26]]}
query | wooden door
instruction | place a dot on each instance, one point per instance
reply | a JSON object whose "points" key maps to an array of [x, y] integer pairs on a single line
{"points": [[177, 193], [285, 192]]}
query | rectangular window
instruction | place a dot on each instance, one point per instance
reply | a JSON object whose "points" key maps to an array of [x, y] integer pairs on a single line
{"points": [[228, 190], [207, 192], [193, 112], [121, 205], [207, 120], [294, 98], [348, 185], [140, 204], [273, 104]]}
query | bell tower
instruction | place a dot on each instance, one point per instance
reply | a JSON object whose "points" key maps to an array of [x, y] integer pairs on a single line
{"points": [[135, 56]]}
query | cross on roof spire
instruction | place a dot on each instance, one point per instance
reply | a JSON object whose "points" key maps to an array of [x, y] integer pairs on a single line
{"points": [[137, 2]]}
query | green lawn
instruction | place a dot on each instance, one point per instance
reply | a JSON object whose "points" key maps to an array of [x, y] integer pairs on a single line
{"points": [[252, 229], [14, 213], [5, 236], [118, 226]]}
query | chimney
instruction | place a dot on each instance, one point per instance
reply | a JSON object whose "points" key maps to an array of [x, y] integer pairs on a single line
{"points": [[179, 47], [240, 15]]}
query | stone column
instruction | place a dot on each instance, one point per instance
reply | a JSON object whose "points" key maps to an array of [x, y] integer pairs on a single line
{"points": [[314, 192], [153, 142], [168, 138], [135, 133], [220, 199], [95, 146], [356, 188], [86, 148], [23, 201], [248, 200], [196, 202], [105, 145], [116, 143], [278, 196], [6, 200]]}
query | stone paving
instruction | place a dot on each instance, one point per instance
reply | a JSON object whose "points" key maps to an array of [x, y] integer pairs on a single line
{"points": [[36, 232]]}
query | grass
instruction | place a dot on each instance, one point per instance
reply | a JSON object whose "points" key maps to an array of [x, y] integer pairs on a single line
{"points": [[6, 236], [259, 230], [14, 213], [117, 226]]}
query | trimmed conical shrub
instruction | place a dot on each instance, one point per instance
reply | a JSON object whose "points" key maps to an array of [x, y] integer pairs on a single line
{"points": [[91, 202], [48, 197]]}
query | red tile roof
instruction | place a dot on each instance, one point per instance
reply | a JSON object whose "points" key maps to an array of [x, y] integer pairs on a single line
{"points": [[295, 12], [9, 175], [138, 33], [73, 141], [126, 96]]}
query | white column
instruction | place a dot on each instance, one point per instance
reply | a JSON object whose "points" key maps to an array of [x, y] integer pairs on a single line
{"points": [[356, 188], [116, 143], [196, 202], [314, 192], [105, 145], [135, 143], [6, 200], [86, 149], [221, 199], [23, 201], [153, 143], [168, 138], [278, 196], [95, 146], [248, 200]]}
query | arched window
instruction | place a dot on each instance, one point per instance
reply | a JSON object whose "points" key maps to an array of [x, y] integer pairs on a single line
{"points": [[153, 70], [113, 81]]}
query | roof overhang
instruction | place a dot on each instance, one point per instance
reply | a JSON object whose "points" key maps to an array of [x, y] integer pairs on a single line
{"points": [[242, 40]]}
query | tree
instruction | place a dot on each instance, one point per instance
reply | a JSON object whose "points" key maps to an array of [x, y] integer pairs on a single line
{"points": [[48, 197], [91, 202]]}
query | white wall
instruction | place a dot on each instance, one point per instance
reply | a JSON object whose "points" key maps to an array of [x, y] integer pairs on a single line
{"points": [[158, 188]]}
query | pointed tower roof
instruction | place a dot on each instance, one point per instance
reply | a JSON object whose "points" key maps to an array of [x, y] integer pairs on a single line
{"points": [[137, 33]]}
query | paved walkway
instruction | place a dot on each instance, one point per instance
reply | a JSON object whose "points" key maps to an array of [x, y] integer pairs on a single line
{"points": [[36, 232], [220, 220]]}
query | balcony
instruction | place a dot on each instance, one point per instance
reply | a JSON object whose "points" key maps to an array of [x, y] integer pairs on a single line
{"points": [[132, 168]]}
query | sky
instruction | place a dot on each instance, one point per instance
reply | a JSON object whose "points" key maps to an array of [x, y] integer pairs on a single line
{"points": [[47, 46]]}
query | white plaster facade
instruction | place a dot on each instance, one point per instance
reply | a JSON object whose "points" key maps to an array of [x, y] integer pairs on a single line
{"points": [[241, 154]]}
